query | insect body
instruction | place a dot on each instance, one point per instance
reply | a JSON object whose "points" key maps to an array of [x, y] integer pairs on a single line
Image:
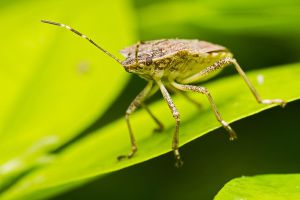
{"points": [[174, 64], [172, 58]]}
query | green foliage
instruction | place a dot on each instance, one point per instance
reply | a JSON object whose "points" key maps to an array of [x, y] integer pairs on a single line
{"points": [[232, 16], [80, 161], [259, 32], [51, 82], [263, 187]]}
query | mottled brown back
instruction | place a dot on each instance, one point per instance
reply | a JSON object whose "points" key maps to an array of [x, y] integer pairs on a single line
{"points": [[157, 49]]}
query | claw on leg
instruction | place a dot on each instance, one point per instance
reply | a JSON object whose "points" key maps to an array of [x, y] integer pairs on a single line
{"points": [[231, 132], [130, 155], [281, 102], [178, 162], [159, 129]]}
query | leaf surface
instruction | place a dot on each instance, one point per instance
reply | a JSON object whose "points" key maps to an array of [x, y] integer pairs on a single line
{"points": [[54, 84], [96, 154], [262, 187]]}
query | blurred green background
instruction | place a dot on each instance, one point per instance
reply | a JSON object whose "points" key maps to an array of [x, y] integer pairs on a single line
{"points": [[260, 33]]}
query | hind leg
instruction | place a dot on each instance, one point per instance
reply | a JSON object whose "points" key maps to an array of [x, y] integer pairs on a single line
{"points": [[225, 62]]}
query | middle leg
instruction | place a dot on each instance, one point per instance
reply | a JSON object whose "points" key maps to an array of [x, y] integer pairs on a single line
{"points": [[186, 96], [160, 126], [203, 90]]}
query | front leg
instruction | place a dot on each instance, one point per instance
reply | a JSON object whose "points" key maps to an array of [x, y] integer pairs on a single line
{"points": [[132, 107], [176, 116]]}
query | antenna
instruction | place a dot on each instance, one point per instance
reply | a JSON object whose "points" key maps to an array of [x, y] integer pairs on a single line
{"points": [[83, 36]]}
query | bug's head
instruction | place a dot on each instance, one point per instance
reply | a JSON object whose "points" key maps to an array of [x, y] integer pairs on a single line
{"points": [[137, 63], [139, 67], [129, 68]]}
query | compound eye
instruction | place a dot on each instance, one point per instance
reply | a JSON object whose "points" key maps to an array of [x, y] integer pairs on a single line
{"points": [[148, 61]]}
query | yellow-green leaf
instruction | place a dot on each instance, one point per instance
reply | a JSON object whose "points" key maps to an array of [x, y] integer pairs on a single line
{"points": [[96, 154], [262, 187], [54, 84]]}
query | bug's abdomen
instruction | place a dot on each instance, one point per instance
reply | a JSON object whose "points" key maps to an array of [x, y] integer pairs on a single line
{"points": [[180, 69]]}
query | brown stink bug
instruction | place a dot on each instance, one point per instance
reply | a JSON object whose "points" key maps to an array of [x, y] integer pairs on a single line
{"points": [[173, 64]]}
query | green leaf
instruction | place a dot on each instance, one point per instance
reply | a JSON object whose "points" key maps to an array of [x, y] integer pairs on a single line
{"points": [[232, 17], [262, 187], [267, 29], [96, 154], [53, 83]]}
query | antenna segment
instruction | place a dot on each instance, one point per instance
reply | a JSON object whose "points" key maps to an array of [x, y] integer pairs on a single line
{"points": [[83, 36]]}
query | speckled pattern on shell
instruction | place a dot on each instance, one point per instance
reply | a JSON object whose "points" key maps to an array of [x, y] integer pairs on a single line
{"points": [[158, 49]]}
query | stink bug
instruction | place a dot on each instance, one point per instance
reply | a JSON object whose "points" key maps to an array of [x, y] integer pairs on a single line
{"points": [[174, 64]]}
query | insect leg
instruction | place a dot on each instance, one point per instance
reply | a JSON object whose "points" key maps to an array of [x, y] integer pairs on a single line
{"points": [[159, 124], [203, 90], [176, 116], [223, 63], [253, 90], [186, 96], [132, 107]]}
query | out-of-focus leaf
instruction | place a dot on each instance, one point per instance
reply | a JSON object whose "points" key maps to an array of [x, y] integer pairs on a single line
{"points": [[262, 187], [259, 33], [96, 155], [54, 84], [259, 17]]}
